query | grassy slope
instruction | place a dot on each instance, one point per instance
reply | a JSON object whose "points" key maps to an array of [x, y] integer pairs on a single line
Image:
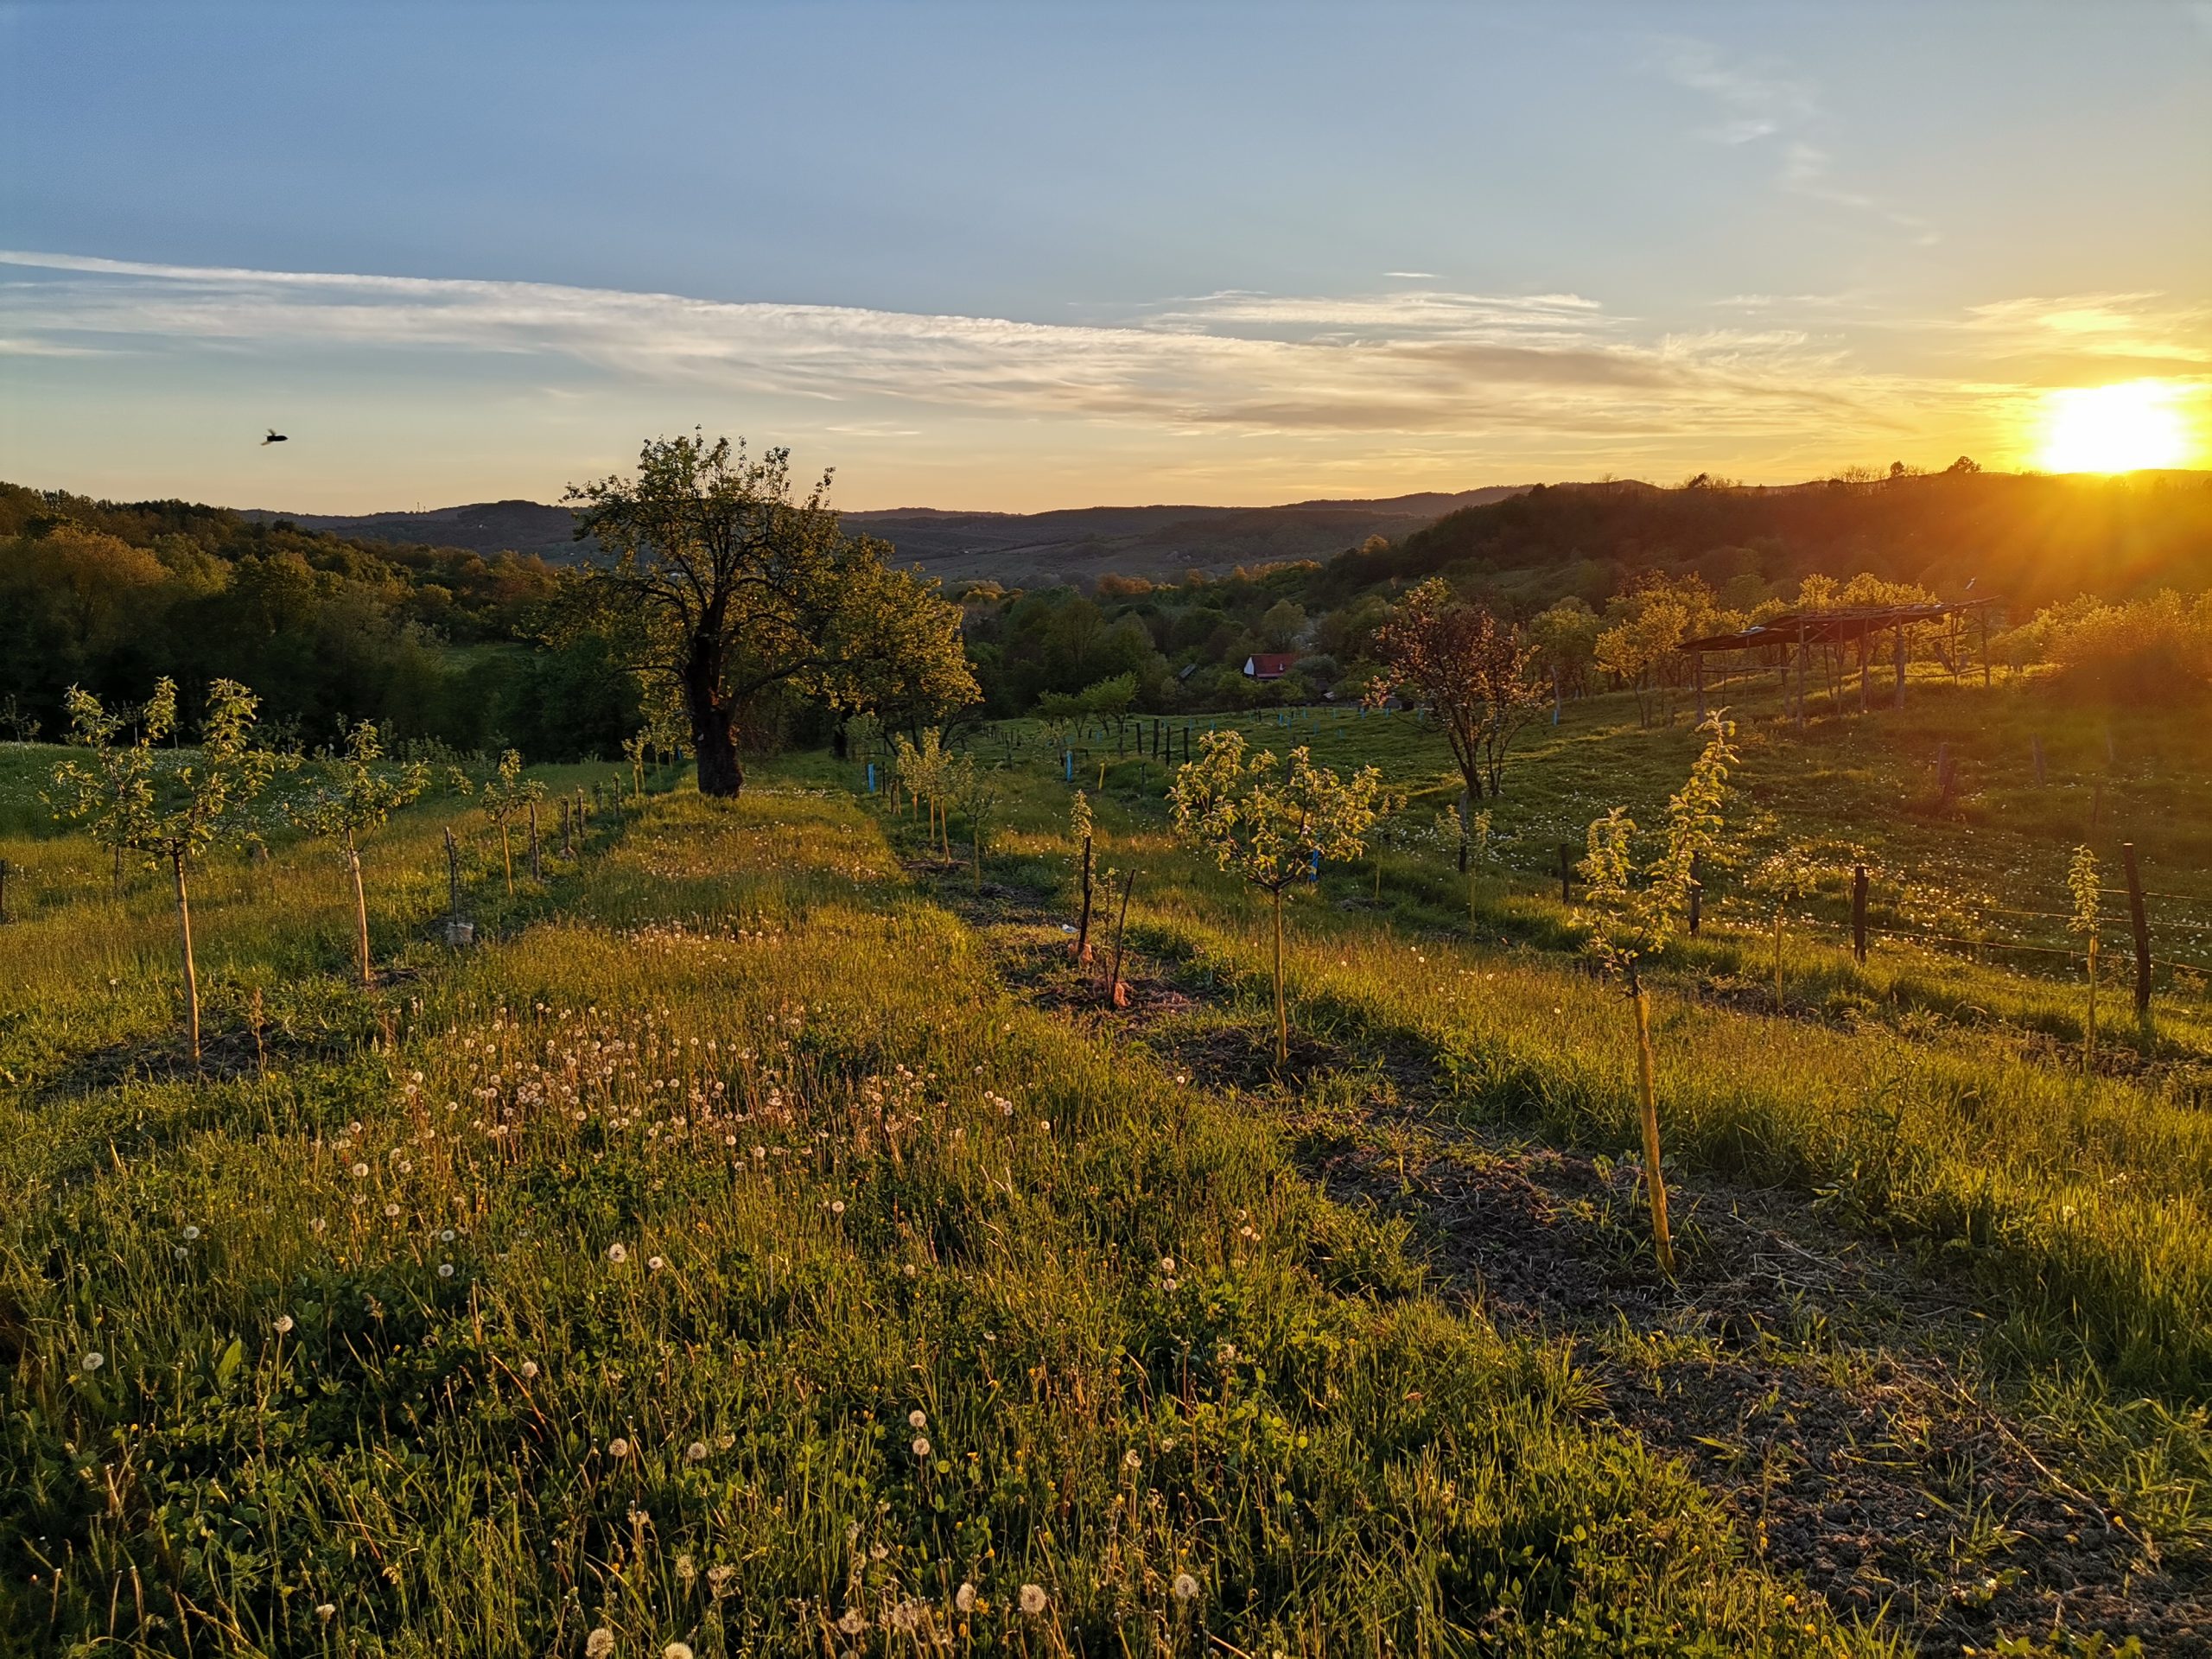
{"points": [[851, 1181]]}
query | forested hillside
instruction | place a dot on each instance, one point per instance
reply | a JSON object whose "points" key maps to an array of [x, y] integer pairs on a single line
{"points": [[433, 642]]}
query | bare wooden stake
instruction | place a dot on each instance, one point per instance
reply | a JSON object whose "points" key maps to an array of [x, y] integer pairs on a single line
{"points": [[1858, 913], [1117, 993]]}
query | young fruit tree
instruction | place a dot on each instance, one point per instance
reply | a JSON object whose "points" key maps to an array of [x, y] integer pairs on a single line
{"points": [[354, 793], [713, 584], [2082, 887], [974, 791], [1783, 878], [1471, 673], [167, 809], [1637, 909], [1270, 824], [504, 795], [1081, 830]]}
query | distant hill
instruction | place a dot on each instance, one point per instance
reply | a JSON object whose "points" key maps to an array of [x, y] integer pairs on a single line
{"points": [[1017, 550]]}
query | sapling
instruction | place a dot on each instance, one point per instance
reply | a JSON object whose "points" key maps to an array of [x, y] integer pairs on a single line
{"points": [[1269, 825], [506, 794], [354, 794], [2082, 887], [1635, 918], [634, 749], [165, 811], [974, 791], [1784, 877], [1081, 830]]}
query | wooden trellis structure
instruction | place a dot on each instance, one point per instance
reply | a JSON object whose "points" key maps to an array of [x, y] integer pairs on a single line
{"points": [[1787, 642]]}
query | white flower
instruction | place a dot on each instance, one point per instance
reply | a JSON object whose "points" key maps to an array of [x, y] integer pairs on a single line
{"points": [[618, 1254], [964, 1597], [600, 1644], [617, 1448], [282, 1324], [921, 1445], [1033, 1599], [93, 1362], [918, 1419], [1187, 1587]]}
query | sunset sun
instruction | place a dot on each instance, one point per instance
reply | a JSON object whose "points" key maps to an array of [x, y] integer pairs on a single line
{"points": [[2116, 429]]}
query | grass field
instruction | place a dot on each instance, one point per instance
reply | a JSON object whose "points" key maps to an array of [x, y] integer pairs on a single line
{"points": [[767, 1239]]}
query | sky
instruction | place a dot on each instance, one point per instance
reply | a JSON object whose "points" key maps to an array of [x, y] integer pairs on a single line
{"points": [[1026, 255]]}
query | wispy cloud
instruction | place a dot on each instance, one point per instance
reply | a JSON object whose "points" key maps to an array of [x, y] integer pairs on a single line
{"points": [[1421, 361], [1756, 102]]}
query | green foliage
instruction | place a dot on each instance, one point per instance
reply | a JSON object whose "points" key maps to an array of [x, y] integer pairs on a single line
{"points": [[1264, 823], [1640, 908], [354, 789], [166, 808]]}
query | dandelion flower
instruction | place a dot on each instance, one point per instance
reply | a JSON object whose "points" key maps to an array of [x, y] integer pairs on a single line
{"points": [[838, 1207], [677, 1650], [93, 1362], [1033, 1599], [654, 1263], [921, 1445], [695, 1453], [282, 1324], [391, 1213], [617, 1448], [964, 1597], [618, 1254], [600, 1644], [918, 1419], [1187, 1587]]}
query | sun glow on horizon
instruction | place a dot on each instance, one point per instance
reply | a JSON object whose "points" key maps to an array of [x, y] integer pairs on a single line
{"points": [[2118, 429]]}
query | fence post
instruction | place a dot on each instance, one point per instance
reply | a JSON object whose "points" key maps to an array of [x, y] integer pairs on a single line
{"points": [[536, 869], [453, 876], [1566, 876], [1697, 882], [3, 892], [1858, 913], [2139, 920]]}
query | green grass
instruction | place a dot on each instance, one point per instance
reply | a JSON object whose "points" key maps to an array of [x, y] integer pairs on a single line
{"points": [[368, 1343]]}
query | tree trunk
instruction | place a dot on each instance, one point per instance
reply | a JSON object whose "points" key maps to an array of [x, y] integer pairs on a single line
{"points": [[191, 971], [715, 744], [1282, 1013], [360, 910], [507, 856]]}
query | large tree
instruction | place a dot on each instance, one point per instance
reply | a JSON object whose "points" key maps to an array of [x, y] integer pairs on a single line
{"points": [[1469, 670], [712, 579]]}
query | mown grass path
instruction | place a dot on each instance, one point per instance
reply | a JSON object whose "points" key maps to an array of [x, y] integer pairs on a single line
{"points": [[721, 1255]]}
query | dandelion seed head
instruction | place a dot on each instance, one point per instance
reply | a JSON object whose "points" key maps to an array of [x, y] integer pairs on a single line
{"points": [[1033, 1599], [281, 1324], [600, 1644], [921, 1445], [617, 1448], [1187, 1587], [677, 1650], [191, 1233], [93, 1362], [618, 1254], [529, 1368], [964, 1597], [918, 1419], [695, 1453], [445, 1269]]}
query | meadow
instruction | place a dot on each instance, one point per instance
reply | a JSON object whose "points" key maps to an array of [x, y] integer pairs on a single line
{"points": [[767, 1238]]}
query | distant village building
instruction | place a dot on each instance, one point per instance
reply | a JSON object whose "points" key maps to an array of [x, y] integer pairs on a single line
{"points": [[1272, 666]]}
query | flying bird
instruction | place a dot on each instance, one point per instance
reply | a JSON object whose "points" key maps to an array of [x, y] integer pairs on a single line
{"points": [[275, 436]]}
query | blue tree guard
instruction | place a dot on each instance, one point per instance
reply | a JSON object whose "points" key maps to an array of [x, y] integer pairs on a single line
{"points": [[871, 777], [1069, 758]]}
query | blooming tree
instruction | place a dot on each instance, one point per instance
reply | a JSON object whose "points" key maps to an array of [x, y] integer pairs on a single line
{"points": [[1637, 909], [507, 793], [354, 794], [1270, 824], [138, 800]]}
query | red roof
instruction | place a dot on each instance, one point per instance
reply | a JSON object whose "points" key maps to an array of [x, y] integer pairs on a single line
{"points": [[1269, 667]]}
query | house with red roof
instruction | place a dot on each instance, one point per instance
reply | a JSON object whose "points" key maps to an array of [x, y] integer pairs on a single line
{"points": [[1269, 666]]}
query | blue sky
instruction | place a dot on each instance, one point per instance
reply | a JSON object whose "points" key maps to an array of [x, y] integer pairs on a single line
{"points": [[1045, 255]]}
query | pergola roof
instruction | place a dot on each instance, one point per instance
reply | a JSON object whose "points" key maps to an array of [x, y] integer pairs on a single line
{"points": [[1823, 627]]}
